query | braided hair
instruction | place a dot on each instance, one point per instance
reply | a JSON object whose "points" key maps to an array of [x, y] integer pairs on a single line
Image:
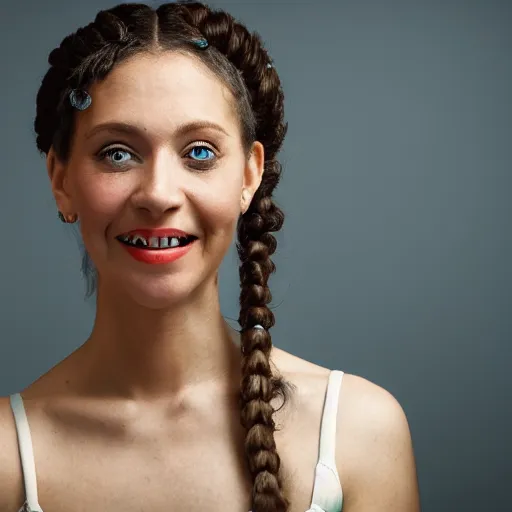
{"points": [[239, 59]]}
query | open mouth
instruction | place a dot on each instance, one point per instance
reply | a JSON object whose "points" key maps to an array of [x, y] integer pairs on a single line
{"points": [[156, 242]]}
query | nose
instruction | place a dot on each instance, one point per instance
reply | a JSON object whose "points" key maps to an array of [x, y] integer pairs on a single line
{"points": [[160, 188]]}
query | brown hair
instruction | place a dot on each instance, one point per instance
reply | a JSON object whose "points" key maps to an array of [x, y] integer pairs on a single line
{"points": [[238, 58]]}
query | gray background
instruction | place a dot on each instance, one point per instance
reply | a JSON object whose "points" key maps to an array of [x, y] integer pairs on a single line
{"points": [[394, 262]]}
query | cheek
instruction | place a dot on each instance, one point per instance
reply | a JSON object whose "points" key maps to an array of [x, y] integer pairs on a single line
{"points": [[99, 199], [219, 204], [100, 194]]}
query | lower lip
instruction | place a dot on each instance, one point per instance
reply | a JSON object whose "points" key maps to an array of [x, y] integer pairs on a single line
{"points": [[157, 256]]}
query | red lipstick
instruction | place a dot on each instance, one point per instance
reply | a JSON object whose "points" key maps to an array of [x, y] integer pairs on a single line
{"points": [[159, 256]]}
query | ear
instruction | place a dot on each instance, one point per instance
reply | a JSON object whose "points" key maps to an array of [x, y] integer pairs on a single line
{"points": [[253, 175], [57, 172]]}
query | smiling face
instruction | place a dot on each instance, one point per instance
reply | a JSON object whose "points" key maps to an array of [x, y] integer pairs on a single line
{"points": [[159, 147]]}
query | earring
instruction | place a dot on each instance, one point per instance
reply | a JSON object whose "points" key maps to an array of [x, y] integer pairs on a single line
{"points": [[68, 219]]}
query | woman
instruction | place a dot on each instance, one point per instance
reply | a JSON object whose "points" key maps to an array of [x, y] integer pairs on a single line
{"points": [[161, 130]]}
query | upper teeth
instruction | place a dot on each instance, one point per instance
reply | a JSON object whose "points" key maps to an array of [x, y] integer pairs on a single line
{"points": [[136, 238], [154, 241]]}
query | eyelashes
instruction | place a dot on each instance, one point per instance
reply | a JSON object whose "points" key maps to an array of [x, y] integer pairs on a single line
{"points": [[200, 156]]}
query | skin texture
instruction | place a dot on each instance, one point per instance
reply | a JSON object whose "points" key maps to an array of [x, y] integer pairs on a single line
{"points": [[144, 415]]}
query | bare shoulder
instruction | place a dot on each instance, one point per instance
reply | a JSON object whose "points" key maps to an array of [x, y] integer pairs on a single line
{"points": [[374, 450], [11, 483]]}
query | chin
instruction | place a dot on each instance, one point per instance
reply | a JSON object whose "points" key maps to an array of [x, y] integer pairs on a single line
{"points": [[163, 292], [159, 292]]}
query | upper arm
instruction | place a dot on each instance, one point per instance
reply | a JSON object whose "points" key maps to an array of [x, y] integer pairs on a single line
{"points": [[374, 450], [11, 481]]}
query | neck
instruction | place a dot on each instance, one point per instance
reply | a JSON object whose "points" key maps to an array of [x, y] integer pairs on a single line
{"points": [[145, 354]]}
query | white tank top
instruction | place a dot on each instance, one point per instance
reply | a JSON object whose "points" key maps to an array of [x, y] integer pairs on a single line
{"points": [[327, 493]]}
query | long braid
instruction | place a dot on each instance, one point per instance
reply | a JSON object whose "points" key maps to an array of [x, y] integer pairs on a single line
{"points": [[255, 246], [89, 55], [259, 386]]}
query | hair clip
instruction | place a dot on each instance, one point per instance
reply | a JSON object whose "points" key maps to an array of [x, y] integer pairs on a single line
{"points": [[80, 99], [201, 43], [270, 65], [259, 327]]}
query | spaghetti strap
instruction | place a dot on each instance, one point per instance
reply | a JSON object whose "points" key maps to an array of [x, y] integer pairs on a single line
{"points": [[328, 429], [26, 454], [327, 491]]}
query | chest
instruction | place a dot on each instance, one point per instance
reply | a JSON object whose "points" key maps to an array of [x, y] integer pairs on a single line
{"points": [[196, 468]]}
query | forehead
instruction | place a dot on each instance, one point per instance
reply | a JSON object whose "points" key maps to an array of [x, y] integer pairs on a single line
{"points": [[158, 92]]}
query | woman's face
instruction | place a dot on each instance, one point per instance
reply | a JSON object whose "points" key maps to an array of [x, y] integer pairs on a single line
{"points": [[159, 148]]}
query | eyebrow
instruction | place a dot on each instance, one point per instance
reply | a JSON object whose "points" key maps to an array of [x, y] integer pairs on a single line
{"points": [[130, 129]]}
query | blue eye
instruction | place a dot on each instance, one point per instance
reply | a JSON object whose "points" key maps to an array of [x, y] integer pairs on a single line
{"points": [[201, 153], [118, 156]]}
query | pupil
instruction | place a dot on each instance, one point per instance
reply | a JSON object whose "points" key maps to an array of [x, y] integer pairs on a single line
{"points": [[199, 151]]}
